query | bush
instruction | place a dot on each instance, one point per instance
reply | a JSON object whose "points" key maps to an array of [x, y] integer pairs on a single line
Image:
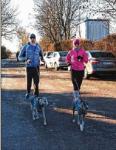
{"points": [[9, 53], [108, 43], [5, 53]]}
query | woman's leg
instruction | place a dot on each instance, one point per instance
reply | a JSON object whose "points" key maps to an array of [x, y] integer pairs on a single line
{"points": [[73, 78], [79, 78]]}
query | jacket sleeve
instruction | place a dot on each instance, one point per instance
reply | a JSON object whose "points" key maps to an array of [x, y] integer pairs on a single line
{"points": [[22, 54], [68, 58], [85, 57]]}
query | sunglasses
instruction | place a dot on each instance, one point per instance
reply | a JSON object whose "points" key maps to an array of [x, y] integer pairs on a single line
{"points": [[32, 37]]}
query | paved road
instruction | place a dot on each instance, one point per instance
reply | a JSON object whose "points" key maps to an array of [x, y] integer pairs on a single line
{"points": [[19, 132]]}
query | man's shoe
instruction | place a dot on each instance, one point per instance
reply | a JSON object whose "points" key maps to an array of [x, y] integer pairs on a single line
{"points": [[27, 96]]}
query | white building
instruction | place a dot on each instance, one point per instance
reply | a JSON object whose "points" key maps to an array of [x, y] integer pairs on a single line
{"points": [[93, 29]]}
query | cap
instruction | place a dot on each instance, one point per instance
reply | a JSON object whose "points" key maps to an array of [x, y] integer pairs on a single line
{"points": [[32, 36], [76, 42]]}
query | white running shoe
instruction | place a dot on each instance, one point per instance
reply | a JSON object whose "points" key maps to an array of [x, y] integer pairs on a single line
{"points": [[82, 126], [73, 120]]}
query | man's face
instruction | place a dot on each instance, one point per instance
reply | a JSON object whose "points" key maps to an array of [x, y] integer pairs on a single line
{"points": [[33, 40]]}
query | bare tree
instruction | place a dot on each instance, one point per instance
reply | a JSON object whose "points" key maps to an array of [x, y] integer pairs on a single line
{"points": [[8, 19], [23, 36], [103, 8], [57, 19]]}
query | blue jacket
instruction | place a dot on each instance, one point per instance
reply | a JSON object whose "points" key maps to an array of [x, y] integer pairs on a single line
{"points": [[32, 52]]}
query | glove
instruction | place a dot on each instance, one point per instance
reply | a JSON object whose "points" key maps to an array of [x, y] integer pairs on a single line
{"points": [[79, 58]]}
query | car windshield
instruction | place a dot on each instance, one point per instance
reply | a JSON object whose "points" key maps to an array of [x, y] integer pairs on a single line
{"points": [[49, 53], [63, 53], [102, 55]]}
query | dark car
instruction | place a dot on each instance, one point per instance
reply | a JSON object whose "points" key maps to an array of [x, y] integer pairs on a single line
{"points": [[100, 63]]}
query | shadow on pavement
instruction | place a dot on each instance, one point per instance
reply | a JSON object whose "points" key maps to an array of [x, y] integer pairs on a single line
{"points": [[19, 132], [11, 63], [12, 76]]}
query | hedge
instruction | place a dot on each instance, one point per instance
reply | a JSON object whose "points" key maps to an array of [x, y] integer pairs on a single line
{"points": [[108, 44]]}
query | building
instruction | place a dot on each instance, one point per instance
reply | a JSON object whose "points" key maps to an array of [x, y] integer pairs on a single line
{"points": [[93, 29]]}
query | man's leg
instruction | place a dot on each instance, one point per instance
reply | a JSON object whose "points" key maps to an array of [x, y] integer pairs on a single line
{"points": [[29, 79], [36, 81]]}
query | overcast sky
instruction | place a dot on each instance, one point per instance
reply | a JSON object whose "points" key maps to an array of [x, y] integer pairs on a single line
{"points": [[26, 19]]}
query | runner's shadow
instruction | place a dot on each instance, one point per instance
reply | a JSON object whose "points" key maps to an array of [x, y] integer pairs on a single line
{"points": [[12, 76]]}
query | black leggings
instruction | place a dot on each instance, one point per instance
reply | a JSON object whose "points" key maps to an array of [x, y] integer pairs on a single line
{"points": [[77, 77], [33, 73]]}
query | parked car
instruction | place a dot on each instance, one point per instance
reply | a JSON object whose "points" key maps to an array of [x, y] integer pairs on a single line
{"points": [[56, 60], [46, 54], [100, 62]]}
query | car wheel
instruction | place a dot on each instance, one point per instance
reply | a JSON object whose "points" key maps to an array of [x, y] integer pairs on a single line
{"points": [[46, 66], [56, 67]]}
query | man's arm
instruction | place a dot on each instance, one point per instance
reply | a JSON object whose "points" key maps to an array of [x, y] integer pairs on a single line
{"points": [[22, 54], [41, 53]]}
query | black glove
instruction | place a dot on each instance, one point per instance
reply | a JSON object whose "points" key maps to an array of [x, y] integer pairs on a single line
{"points": [[79, 58]]}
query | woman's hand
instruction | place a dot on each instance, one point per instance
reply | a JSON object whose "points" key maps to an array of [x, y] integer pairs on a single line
{"points": [[80, 58]]}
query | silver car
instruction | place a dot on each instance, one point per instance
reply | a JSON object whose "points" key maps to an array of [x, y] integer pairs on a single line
{"points": [[56, 60], [46, 55], [100, 62]]}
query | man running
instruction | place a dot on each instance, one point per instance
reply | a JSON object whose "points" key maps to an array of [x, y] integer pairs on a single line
{"points": [[32, 54]]}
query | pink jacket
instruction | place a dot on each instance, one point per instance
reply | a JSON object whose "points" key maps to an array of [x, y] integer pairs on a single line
{"points": [[73, 61]]}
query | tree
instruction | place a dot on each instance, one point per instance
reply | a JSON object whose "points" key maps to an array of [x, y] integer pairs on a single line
{"points": [[57, 19], [8, 19], [22, 36], [102, 8], [45, 43], [5, 53]]}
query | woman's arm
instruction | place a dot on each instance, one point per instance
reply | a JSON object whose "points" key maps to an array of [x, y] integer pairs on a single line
{"points": [[68, 58], [85, 57]]}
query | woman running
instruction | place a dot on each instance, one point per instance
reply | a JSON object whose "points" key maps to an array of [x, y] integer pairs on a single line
{"points": [[76, 58]]}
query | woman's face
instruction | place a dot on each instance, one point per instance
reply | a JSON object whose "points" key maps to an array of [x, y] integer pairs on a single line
{"points": [[76, 46]]}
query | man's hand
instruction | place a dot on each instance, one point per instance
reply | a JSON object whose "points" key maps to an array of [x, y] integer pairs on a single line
{"points": [[28, 61]]}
